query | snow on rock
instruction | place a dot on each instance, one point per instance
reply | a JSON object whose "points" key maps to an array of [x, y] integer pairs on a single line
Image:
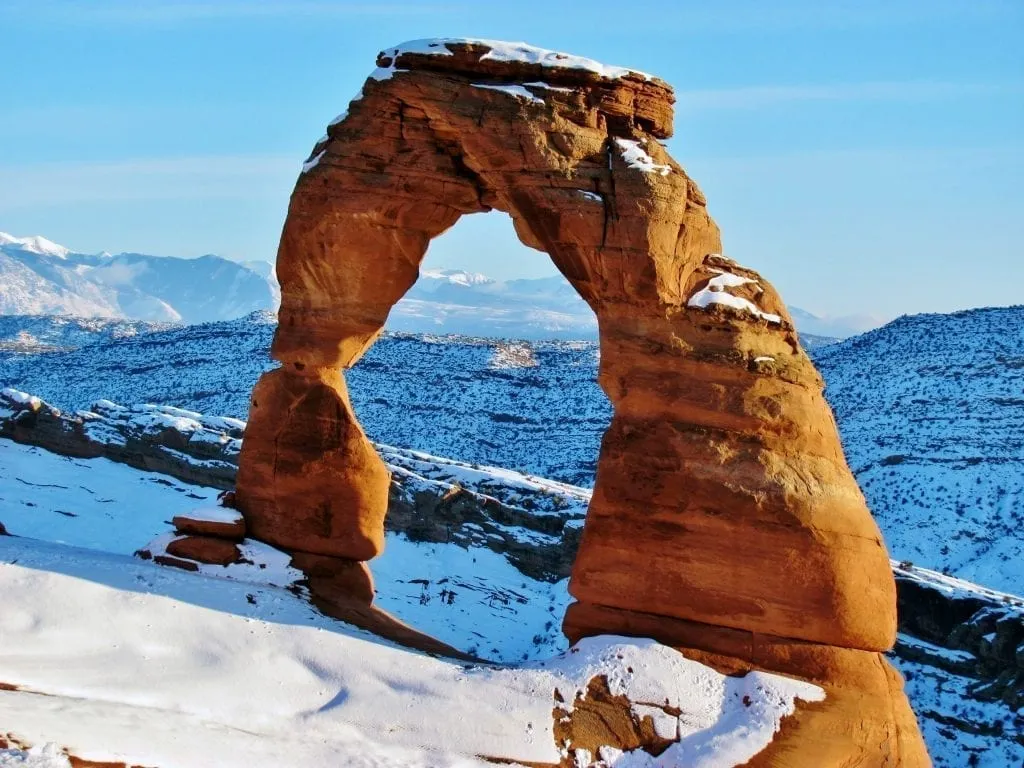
{"points": [[42, 756], [343, 115], [312, 162], [953, 587], [513, 90], [513, 355], [531, 54], [715, 726], [548, 86], [213, 514], [89, 626], [152, 419], [260, 564], [546, 496], [715, 292], [636, 157], [522, 53], [20, 397]]}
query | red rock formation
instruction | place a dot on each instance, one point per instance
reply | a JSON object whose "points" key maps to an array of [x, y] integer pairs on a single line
{"points": [[205, 549], [198, 525], [723, 501]]}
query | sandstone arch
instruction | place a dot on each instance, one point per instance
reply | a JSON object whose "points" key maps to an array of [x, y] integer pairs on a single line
{"points": [[724, 518]]}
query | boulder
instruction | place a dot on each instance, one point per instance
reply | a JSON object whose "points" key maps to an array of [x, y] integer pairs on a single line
{"points": [[205, 549]]}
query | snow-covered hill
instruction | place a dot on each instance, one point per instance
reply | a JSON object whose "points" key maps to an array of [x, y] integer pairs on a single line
{"points": [[928, 408], [41, 277], [80, 519], [931, 410], [116, 657]]}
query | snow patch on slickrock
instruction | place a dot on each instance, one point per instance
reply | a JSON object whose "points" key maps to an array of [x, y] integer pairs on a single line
{"points": [[715, 292], [636, 157], [517, 53]]}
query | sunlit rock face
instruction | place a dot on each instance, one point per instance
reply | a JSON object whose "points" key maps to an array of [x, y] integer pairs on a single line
{"points": [[725, 520]]}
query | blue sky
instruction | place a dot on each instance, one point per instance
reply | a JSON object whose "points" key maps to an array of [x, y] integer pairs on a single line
{"points": [[867, 157]]}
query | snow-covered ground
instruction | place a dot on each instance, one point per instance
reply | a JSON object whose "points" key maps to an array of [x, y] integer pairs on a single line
{"points": [[959, 730], [94, 503], [462, 593], [121, 659]]}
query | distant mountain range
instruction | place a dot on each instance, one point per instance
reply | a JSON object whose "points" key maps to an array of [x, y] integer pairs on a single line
{"points": [[40, 277]]}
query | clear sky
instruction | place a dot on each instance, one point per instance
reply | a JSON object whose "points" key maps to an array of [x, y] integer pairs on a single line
{"points": [[867, 157]]}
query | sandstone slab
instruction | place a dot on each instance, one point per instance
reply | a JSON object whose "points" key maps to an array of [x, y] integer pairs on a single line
{"points": [[205, 549], [219, 522]]}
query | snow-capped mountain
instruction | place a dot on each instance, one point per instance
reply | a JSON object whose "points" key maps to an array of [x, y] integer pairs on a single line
{"points": [[456, 301], [36, 244], [841, 327], [929, 409], [38, 277]]}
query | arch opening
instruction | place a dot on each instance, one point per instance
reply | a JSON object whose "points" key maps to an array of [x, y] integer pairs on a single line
{"points": [[477, 279]]}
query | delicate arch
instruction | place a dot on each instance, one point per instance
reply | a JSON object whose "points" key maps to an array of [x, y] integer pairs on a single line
{"points": [[723, 499]]}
